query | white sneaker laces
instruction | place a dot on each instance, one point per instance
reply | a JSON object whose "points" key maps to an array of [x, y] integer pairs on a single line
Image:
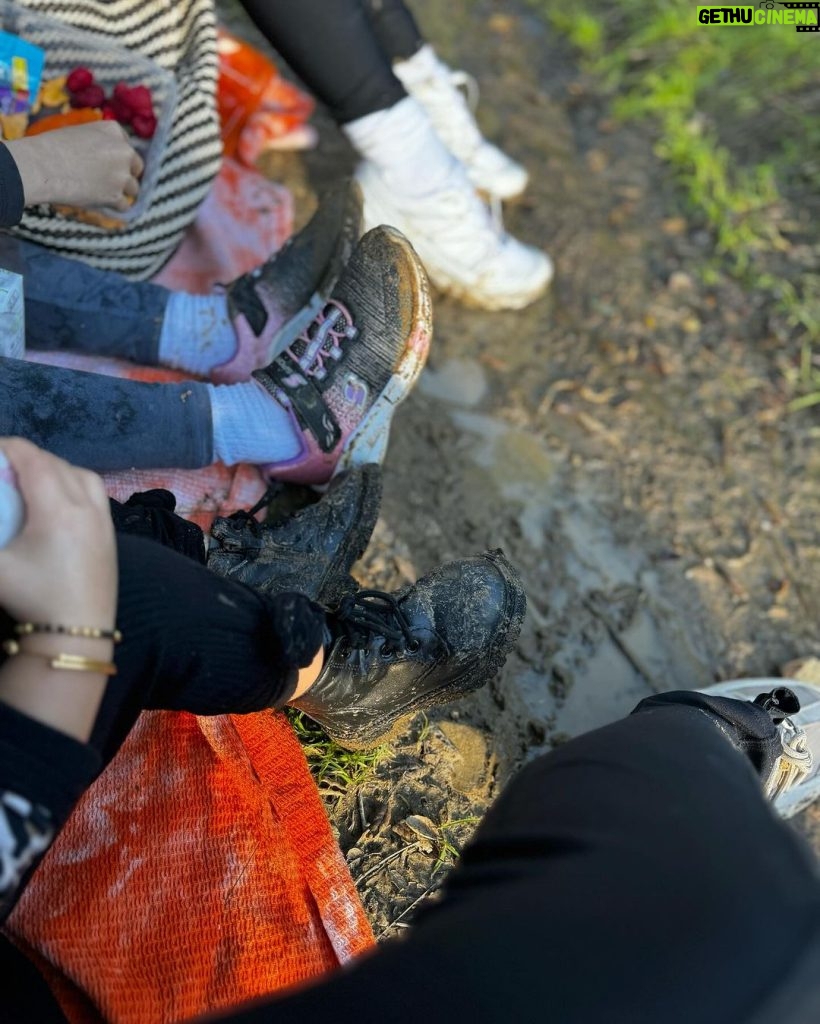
{"points": [[794, 763], [450, 109]]}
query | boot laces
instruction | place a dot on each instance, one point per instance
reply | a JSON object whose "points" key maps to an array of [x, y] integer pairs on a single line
{"points": [[321, 341], [246, 518], [374, 613]]}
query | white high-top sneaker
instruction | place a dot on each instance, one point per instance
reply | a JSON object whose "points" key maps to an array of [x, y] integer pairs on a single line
{"points": [[463, 250], [438, 89], [795, 784]]}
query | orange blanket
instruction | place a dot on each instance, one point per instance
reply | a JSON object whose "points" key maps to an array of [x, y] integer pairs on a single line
{"points": [[200, 869]]}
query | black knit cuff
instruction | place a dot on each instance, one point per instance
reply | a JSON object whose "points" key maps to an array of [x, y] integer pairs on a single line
{"points": [[45, 766]]}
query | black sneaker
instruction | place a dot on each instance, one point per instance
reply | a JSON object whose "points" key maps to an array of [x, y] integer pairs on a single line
{"points": [[311, 551], [394, 655], [272, 304]]}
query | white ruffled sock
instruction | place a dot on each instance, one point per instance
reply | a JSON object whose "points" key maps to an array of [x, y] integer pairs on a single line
{"points": [[197, 333], [249, 425]]}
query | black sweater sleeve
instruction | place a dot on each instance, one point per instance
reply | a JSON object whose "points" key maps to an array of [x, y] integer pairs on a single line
{"points": [[43, 773], [11, 190]]}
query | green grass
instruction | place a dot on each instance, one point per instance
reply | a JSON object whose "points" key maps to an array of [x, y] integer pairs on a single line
{"points": [[735, 121], [453, 834], [335, 769]]}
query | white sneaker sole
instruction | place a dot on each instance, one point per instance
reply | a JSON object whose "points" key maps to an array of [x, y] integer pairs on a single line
{"points": [[368, 442]]}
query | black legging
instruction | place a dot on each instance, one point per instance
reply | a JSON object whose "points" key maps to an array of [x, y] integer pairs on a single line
{"points": [[343, 51]]}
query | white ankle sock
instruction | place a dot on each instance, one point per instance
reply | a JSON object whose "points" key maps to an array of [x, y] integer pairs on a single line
{"points": [[197, 333], [402, 142], [250, 425]]}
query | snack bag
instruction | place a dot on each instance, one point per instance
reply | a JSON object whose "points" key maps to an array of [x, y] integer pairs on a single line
{"points": [[21, 68]]}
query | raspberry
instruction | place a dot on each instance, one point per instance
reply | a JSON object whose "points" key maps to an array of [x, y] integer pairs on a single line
{"points": [[90, 96], [140, 100], [108, 112], [122, 92], [121, 111], [79, 79], [144, 125]]}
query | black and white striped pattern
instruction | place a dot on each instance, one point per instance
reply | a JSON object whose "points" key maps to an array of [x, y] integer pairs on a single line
{"points": [[179, 35]]}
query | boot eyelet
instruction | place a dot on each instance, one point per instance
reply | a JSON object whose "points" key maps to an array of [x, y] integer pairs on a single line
{"points": [[386, 651], [413, 645]]}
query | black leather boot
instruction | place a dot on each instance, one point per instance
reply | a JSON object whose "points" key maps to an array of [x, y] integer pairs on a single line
{"points": [[394, 655], [312, 550]]}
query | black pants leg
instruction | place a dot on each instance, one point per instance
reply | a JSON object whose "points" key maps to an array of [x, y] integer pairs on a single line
{"points": [[633, 876], [334, 49], [194, 641], [395, 27]]}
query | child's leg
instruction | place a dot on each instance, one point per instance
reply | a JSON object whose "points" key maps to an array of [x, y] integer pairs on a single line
{"points": [[105, 423]]}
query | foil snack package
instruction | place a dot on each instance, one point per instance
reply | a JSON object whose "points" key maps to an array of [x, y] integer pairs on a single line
{"points": [[21, 68]]}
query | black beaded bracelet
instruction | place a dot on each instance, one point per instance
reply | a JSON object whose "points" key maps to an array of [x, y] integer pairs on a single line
{"points": [[89, 632]]}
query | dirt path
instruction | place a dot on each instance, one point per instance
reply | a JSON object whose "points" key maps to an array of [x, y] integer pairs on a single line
{"points": [[624, 440]]}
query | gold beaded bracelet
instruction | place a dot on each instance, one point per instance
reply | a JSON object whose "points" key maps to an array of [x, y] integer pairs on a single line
{"points": [[68, 662], [89, 632]]}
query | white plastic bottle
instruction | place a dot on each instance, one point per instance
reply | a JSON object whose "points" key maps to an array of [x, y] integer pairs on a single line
{"points": [[12, 510]]}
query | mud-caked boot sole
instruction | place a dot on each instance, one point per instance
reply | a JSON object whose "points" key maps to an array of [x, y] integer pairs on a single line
{"points": [[460, 623]]}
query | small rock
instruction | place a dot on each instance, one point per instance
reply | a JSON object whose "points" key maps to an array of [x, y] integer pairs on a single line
{"points": [[680, 281], [691, 324], [597, 161], [503, 24], [805, 670], [673, 226]]}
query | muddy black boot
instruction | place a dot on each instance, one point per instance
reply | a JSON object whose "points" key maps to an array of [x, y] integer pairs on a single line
{"points": [[395, 654], [310, 551]]}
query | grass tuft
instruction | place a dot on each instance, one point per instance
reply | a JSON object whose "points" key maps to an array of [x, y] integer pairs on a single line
{"points": [[335, 769]]}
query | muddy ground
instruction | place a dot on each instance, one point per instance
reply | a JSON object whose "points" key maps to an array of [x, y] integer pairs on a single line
{"points": [[624, 440]]}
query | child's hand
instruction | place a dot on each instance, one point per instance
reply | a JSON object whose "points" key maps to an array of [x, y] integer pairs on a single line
{"points": [[88, 165]]}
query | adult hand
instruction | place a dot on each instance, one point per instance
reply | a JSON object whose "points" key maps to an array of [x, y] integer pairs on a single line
{"points": [[87, 165], [61, 568]]}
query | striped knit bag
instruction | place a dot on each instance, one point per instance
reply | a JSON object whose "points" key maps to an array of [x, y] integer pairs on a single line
{"points": [[179, 35]]}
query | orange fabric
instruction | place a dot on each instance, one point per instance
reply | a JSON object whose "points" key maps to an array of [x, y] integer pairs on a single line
{"points": [[197, 872], [256, 105], [200, 869]]}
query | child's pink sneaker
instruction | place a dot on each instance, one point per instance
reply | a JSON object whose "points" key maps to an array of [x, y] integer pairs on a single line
{"points": [[343, 377]]}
